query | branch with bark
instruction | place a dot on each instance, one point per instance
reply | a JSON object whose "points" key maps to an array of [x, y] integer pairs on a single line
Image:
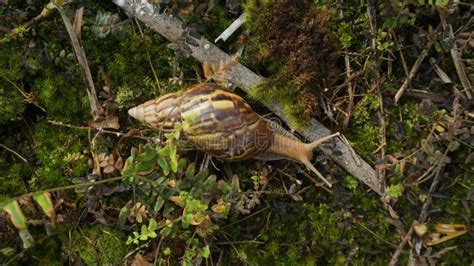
{"points": [[205, 51]]}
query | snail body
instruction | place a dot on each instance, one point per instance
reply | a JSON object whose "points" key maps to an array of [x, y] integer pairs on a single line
{"points": [[223, 125]]}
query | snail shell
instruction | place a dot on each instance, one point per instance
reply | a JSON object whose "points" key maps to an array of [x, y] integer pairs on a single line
{"points": [[215, 121]]}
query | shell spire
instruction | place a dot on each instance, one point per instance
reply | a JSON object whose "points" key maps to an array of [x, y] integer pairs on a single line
{"points": [[137, 113], [162, 113]]}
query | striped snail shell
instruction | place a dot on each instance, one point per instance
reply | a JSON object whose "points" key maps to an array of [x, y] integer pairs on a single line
{"points": [[223, 125], [214, 120]]}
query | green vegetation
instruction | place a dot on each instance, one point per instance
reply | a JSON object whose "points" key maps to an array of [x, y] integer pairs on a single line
{"points": [[133, 195]]}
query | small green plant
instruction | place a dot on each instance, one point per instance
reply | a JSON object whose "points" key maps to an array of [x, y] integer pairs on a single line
{"points": [[183, 203], [395, 191], [146, 232]]}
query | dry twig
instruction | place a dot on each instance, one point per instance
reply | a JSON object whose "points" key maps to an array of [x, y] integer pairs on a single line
{"points": [[96, 109], [413, 72], [402, 244], [15, 153], [46, 12], [457, 58]]}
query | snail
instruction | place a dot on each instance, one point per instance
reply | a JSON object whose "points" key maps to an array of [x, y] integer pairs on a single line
{"points": [[223, 125]]}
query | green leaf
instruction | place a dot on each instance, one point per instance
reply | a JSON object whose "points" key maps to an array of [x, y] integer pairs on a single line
{"points": [[166, 231], [26, 238], [152, 225], [235, 186], [206, 252], [187, 220], [152, 234], [174, 165], [7, 251], [164, 152], [201, 176], [16, 215], [144, 229], [164, 166], [169, 207], [124, 214], [191, 170], [172, 152], [46, 204], [144, 167], [182, 165], [167, 251], [146, 153], [160, 201]]}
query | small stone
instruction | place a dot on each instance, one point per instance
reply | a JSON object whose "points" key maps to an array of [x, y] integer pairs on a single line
{"points": [[207, 46]]}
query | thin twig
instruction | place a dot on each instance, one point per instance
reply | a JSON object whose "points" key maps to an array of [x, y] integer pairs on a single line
{"points": [[434, 184], [373, 30], [413, 71], [240, 242], [15, 153], [422, 94], [46, 12], [374, 234], [149, 57], [458, 65], [426, 206], [86, 184], [350, 92], [246, 217], [29, 98], [58, 123], [96, 109], [402, 244]]}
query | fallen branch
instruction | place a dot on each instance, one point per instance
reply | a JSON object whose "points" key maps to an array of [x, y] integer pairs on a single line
{"points": [[205, 51]]}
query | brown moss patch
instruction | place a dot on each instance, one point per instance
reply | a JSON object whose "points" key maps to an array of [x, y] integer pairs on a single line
{"points": [[295, 33]]}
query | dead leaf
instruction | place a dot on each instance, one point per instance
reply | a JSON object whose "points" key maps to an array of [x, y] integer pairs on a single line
{"points": [[177, 200], [139, 212], [445, 232], [220, 207], [138, 260], [219, 72], [96, 164], [172, 183]]}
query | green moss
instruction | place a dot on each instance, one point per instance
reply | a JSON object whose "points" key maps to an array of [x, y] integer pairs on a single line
{"points": [[55, 147], [71, 92], [308, 232], [94, 246], [12, 178], [218, 20], [98, 246], [284, 92], [49, 251], [11, 74]]}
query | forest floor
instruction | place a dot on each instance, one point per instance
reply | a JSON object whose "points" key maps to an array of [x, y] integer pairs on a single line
{"points": [[82, 182]]}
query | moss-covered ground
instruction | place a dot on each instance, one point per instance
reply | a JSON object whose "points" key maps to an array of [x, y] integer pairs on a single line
{"points": [[341, 63]]}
